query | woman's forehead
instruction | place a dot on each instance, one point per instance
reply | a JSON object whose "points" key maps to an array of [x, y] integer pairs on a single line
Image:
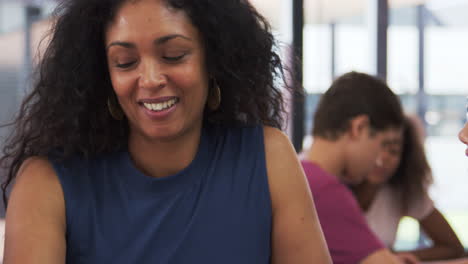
{"points": [[149, 18]]}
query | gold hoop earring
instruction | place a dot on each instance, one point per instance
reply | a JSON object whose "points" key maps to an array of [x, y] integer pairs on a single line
{"points": [[215, 96], [114, 110]]}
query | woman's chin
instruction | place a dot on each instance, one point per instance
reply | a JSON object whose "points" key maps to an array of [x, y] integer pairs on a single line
{"points": [[156, 133], [377, 180], [163, 135]]}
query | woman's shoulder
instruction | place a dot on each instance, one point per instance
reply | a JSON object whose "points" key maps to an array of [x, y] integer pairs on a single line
{"points": [[37, 169], [36, 208], [275, 139], [36, 182], [39, 173], [283, 165]]}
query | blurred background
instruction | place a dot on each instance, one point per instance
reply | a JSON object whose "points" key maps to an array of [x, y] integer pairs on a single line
{"points": [[419, 47]]}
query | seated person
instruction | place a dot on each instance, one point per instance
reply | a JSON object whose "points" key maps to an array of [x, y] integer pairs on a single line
{"points": [[397, 187], [463, 135], [354, 117]]}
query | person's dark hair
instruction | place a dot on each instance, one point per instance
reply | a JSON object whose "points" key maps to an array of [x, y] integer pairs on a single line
{"points": [[355, 94], [67, 113], [413, 174]]}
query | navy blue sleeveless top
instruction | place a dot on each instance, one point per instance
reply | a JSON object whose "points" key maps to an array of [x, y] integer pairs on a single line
{"points": [[217, 210]]}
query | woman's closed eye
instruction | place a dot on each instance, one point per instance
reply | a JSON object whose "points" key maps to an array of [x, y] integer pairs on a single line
{"points": [[395, 151], [125, 65], [174, 58]]}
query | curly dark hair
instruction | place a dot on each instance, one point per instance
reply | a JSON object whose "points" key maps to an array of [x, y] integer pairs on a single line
{"points": [[413, 174], [66, 111]]}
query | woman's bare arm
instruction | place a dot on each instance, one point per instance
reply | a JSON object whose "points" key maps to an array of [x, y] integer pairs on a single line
{"points": [[297, 236], [445, 242], [35, 218]]}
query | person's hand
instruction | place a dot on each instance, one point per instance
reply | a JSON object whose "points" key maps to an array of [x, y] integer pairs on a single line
{"points": [[408, 258]]}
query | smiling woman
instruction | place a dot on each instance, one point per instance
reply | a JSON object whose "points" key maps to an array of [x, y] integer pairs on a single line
{"points": [[156, 62], [152, 136]]}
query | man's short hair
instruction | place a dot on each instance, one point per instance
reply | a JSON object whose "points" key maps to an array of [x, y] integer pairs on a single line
{"points": [[354, 94]]}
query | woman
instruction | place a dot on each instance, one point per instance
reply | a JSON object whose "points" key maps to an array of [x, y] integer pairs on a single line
{"points": [[151, 137], [397, 187], [463, 135]]}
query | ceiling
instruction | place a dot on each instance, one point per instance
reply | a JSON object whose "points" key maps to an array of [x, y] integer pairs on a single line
{"points": [[31, 2], [324, 11]]}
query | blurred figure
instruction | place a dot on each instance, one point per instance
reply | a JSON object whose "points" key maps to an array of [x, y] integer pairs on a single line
{"points": [[354, 118], [418, 126], [397, 187], [463, 135]]}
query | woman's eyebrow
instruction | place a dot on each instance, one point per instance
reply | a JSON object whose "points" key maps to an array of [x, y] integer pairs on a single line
{"points": [[158, 41], [165, 39], [124, 44]]}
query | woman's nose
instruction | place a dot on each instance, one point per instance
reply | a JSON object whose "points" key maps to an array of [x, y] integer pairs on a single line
{"points": [[463, 135], [152, 76], [382, 158]]}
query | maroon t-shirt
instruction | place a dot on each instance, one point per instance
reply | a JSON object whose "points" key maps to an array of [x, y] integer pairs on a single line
{"points": [[348, 236]]}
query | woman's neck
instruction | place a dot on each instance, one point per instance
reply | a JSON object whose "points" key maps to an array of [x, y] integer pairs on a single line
{"points": [[365, 194], [161, 158]]}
